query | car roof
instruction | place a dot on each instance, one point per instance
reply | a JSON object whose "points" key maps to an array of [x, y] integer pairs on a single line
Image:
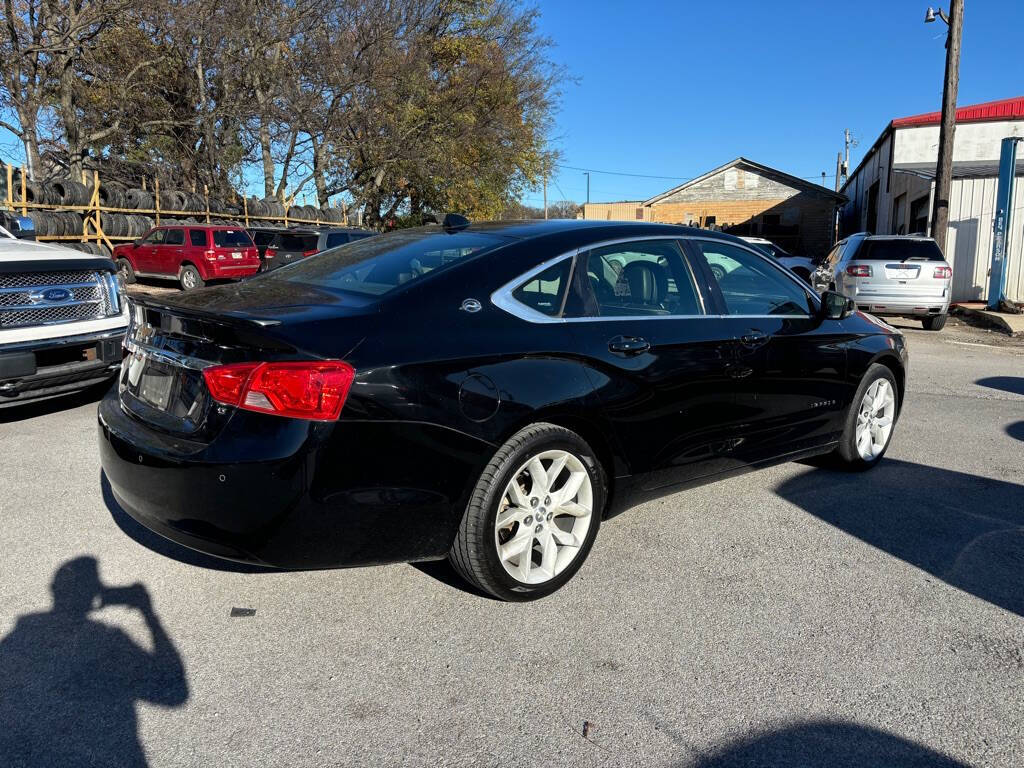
{"points": [[201, 226]]}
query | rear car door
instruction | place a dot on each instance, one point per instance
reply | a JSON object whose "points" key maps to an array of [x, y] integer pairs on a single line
{"points": [[788, 363], [172, 251], [659, 363]]}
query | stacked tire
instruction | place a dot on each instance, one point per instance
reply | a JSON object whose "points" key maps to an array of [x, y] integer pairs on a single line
{"points": [[56, 223]]}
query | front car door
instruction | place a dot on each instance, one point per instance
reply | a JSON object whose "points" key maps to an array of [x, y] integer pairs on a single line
{"points": [[145, 254], [659, 363], [788, 363]]}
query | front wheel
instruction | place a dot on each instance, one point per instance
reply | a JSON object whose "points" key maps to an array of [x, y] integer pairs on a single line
{"points": [[533, 515], [934, 322], [125, 271], [190, 278], [871, 419]]}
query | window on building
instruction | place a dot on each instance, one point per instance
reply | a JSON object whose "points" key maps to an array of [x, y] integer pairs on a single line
{"points": [[919, 216], [872, 223], [899, 215], [639, 214], [710, 221], [771, 220]]}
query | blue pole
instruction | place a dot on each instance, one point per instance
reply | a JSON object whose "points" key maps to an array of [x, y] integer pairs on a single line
{"points": [[1001, 222]]}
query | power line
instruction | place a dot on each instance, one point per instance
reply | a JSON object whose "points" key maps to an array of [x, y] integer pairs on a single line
{"points": [[666, 178]]}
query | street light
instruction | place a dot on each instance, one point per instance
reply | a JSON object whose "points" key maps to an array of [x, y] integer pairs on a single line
{"points": [[944, 167]]}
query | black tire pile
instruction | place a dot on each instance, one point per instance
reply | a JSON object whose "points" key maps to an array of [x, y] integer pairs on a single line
{"points": [[97, 249]]}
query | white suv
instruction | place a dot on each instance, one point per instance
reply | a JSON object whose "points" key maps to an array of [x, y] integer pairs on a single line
{"points": [[800, 266], [62, 320]]}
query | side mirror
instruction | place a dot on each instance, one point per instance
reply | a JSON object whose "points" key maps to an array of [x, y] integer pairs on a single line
{"points": [[136, 243], [835, 306]]}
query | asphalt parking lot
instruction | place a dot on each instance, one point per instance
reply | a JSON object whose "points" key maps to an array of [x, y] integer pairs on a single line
{"points": [[795, 616]]}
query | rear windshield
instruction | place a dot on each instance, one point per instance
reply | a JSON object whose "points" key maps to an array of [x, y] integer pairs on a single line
{"points": [[898, 250], [262, 238], [378, 265], [231, 238], [291, 242]]}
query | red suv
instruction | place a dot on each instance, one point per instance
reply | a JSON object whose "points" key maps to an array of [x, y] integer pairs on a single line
{"points": [[191, 253]]}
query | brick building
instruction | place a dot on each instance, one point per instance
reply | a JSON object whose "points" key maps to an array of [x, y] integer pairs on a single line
{"points": [[744, 198]]}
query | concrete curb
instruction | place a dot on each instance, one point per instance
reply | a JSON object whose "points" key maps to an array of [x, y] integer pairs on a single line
{"points": [[1010, 324]]}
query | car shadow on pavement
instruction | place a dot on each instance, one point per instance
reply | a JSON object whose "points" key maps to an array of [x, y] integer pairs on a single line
{"points": [[825, 744], [444, 572], [157, 543], [1016, 430], [14, 413], [70, 682], [963, 529], [1011, 384]]}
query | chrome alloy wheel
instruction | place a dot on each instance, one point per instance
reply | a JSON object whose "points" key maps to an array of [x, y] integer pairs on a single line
{"points": [[544, 516], [875, 419]]}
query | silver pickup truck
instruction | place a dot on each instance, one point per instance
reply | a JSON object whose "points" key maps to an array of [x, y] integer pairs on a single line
{"points": [[63, 317]]}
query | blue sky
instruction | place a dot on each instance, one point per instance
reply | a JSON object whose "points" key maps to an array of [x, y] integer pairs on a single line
{"points": [[675, 88]]}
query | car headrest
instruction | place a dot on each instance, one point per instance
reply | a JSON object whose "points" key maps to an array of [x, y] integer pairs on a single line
{"points": [[648, 282]]}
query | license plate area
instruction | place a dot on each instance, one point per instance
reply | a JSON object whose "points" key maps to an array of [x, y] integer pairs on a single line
{"points": [[236, 254], [162, 392], [902, 271]]}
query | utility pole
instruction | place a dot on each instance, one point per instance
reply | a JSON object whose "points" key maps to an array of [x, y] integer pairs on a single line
{"points": [[944, 169], [839, 168], [587, 174]]}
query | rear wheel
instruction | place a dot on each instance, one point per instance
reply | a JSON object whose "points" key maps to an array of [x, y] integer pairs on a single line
{"points": [[533, 516], [124, 269], [190, 278], [870, 421], [934, 322], [718, 271]]}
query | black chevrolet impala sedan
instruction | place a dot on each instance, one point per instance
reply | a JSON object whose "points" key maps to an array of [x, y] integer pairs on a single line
{"points": [[483, 392]]}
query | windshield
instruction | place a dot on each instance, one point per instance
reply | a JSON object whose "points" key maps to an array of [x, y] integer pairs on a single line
{"points": [[898, 250], [229, 238], [375, 266]]}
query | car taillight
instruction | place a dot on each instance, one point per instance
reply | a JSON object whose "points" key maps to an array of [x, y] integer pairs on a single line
{"points": [[269, 253], [211, 255], [943, 272], [859, 270], [309, 253], [302, 390]]}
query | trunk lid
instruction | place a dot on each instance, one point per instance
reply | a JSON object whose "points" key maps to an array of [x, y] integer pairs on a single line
{"points": [[171, 341]]}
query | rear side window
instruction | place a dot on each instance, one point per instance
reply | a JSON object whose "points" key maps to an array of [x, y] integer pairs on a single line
{"points": [[639, 279], [231, 238], [546, 292], [336, 238], [175, 237], [262, 238], [197, 237], [378, 265], [898, 250], [300, 243], [750, 285]]}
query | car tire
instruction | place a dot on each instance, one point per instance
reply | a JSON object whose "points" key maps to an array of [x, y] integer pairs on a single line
{"points": [[874, 407], [934, 322], [718, 272], [484, 550], [189, 278], [124, 269]]}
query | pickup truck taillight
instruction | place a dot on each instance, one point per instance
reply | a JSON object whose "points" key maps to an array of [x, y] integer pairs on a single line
{"points": [[859, 270], [316, 389], [942, 272]]}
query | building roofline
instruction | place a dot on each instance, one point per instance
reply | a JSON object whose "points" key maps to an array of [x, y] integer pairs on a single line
{"points": [[795, 181]]}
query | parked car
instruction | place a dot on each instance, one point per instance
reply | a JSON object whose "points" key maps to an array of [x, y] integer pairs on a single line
{"points": [[192, 254], [62, 320], [890, 276], [293, 245], [262, 237], [800, 266], [486, 392]]}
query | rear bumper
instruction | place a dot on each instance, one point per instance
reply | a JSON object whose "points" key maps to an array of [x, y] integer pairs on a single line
{"points": [[45, 368], [224, 270], [293, 494], [904, 306]]}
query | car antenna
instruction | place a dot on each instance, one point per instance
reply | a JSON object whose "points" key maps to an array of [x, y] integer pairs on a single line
{"points": [[453, 223]]}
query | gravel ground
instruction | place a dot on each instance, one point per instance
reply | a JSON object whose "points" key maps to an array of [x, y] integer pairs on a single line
{"points": [[794, 616]]}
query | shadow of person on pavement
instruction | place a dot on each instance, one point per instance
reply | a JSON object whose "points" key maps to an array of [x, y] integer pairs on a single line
{"points": [[964, 529], [1012, 384], [69, 683], [825, 744]]}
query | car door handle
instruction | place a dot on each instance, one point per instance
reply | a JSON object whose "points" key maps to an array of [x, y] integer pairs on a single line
{"points": [[754, 338], [628, 345]]}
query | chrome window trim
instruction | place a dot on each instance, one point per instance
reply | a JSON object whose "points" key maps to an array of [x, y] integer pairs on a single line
{"points": [[502, 298]]}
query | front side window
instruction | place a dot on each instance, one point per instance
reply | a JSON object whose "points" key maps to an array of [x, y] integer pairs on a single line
{"points": [[642, 278], [156, 237], [378, 265], [175, 237], [545, 292], [753, 286]]}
